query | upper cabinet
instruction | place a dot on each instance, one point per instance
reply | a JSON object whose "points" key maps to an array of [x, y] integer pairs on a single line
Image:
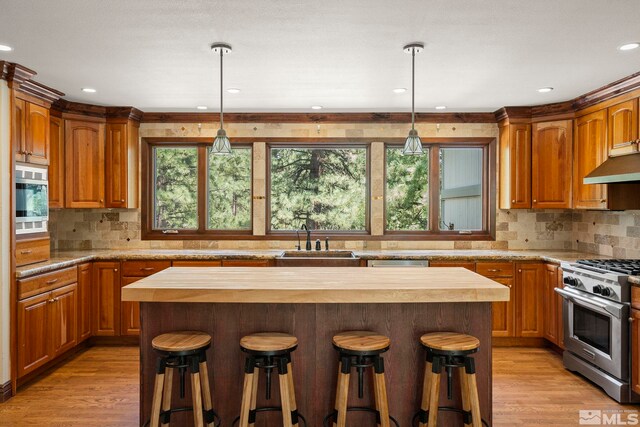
{"points": [[56, 162], [551, 165], [515, 166], [590, 150], [122, 164], [84, 164], [622, 123], [31, 132]]}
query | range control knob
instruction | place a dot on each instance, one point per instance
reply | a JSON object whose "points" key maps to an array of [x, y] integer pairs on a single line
{"points": [[569, 281], [606, 292], [598, 289]]}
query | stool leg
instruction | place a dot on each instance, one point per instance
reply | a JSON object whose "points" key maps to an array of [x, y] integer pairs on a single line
{"points": [[196, 393], [166, 396], [342, 392], [380, 393], [157, 392], [434, 391], [426, 390], [464, 386], [204, 383], [472, 386], [247, 391], [292, 396], [285, 399], [254, 396]]}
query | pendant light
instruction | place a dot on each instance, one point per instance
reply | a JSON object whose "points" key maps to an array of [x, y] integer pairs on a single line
{"points": [[413, 144], [221, 145]]}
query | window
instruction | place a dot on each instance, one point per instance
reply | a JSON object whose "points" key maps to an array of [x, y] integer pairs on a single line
{"points": [[194, 193], [444, 191], [323, 187]]}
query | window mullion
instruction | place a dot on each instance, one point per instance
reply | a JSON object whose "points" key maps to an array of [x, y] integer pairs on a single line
{"points": [[434, 189], [203, 175]]}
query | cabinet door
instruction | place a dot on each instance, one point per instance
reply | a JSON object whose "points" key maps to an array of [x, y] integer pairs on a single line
{"points": [[503, 312], [56, 162], [560, 315], [515, 166], [550, 303], [37, 137], [84, 302], [551, 165], [130, 312], [622, 123], [635, 350], [84, 164], [106, 298], [529, 308], [34, 340], [63, 319], [590, 150], [19, 129], [116, 166]]}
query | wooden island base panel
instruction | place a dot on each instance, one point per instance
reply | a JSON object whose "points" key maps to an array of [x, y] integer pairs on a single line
{"points": [[458, 302]]}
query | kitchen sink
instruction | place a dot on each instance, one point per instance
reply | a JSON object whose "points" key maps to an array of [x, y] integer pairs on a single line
{"points": [[317, 259]]}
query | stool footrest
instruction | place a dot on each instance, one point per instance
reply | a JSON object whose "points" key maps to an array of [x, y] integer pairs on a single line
{"points": [[210, 416], [295, 415], [334, 414], [423, 416]]}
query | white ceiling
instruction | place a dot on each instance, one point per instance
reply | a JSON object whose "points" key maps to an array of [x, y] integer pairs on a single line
{"points": [[344, 55]]}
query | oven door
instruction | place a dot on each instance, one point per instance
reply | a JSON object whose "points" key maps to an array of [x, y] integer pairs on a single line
{"points": [[596, 330], [32, 200]]}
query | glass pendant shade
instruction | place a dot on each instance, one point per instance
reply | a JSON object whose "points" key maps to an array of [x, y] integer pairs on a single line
{"points": [[221, 145], [413, 144]]}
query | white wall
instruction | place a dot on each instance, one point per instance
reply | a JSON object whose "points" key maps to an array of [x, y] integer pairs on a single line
{"points": [[5, 280]]}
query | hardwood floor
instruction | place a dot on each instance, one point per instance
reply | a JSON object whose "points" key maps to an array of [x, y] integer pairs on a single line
{"points": [[99, 386]]}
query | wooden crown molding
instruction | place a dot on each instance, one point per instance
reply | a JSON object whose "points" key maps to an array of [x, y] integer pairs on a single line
{"points": [[21, 78], [607, 92], [98, 111], [318, 118]]}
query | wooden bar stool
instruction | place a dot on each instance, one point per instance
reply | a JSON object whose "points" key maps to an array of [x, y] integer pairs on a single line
{"points": [[182, 350], [268, 350], [449, 350], [360, 350]]}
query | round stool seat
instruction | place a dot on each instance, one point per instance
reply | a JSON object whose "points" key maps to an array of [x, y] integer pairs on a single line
{"points": [[449, 341], [268, 342], [361, 341], [181, 341]]}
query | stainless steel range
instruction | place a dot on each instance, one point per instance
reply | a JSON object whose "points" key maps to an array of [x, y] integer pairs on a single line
{"points": [[595, 315]]}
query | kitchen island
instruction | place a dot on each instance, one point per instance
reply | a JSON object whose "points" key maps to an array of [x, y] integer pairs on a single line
{"points": [[314, 304]]}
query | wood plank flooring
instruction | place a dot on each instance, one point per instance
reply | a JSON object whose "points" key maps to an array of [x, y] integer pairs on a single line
{"points": [[99, 387]]}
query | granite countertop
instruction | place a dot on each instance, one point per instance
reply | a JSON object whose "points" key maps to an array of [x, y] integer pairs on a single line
{"points": [[62, 259]]}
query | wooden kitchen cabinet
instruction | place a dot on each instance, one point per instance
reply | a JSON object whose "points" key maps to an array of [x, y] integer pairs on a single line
{"points": [[551, 170], [503, 313], [63, 319], [84, 301], [634, 318], [622, 123], [122, 164], [19, 129], [106, 299], [468, 265], [529, 302], [515, 166], [187, 263], [552, 304], [31, 132], [247, 263], [590, 150], [84, 164], [56, 162]]}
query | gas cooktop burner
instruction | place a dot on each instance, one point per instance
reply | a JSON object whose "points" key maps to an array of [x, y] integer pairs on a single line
{"points": [[624, 266]]}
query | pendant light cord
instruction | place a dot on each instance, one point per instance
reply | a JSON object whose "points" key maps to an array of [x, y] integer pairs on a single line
{"points": [[221, 71], [413, 87]]}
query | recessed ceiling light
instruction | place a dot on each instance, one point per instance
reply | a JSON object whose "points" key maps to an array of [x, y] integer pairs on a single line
{"points": [[316, 107], [233, 90], [400, 90], [629, 46], [5, 48], [88, 90], [441, 107], [545, 89], [201, 107]]}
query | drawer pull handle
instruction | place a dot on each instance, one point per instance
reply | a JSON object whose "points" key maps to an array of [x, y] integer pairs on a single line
{"points": [[493, 270], [51, 282], [50, 300], [147, 268], [26, 252]]}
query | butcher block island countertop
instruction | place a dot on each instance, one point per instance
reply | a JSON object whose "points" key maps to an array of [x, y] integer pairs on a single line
{"points": [[315, 285]]}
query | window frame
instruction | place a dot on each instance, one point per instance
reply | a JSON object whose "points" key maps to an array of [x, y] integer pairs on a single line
{"points": [[315, 143], [434, 232], [147, 209]]}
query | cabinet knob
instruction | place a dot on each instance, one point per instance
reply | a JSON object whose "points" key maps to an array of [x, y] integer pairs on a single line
{"points": [[121, 200], [509, 286], [115, 269], [30, 153], [50, 300], [519, 270], [513, 201], [535, 201], [631, 319], [603, 201]]}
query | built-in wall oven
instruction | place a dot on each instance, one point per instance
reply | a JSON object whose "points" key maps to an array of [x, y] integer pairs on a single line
{"points": [[32, 199], [596, 305]]}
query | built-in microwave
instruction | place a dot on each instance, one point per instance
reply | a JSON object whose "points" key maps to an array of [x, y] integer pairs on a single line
{"points": [[32, 199]]}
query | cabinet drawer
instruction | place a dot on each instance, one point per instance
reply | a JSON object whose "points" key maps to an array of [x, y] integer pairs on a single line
{"points": [[495, 269], [143, 268], [213, 263], [32, 251], [246, 263], [46, 282], [635, 297]]}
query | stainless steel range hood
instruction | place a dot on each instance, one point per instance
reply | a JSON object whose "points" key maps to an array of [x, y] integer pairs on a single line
{"points": [[623, 165]]}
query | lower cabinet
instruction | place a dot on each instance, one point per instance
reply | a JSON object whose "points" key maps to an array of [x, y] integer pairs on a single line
{"points": [[503, 319], [84, 301], [552, 305], [634, 318], [46, 327], [529, 310], [106, 299]]}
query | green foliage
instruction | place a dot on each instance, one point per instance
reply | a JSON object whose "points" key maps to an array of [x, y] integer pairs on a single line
{"points": [[407, 199], [230, 190], [176, 188], [324, 188]]}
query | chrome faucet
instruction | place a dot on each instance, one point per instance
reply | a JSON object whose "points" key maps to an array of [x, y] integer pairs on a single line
{"points": [[304, 227]]}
